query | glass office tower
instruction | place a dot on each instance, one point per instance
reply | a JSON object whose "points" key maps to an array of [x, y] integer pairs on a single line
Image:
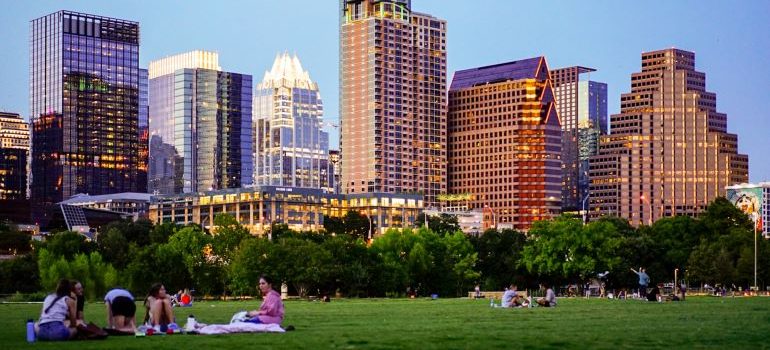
{"points": [[200, 125], [582, 107], [291, 147], [84, 101]]}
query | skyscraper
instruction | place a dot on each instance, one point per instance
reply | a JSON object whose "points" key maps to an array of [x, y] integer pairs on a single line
{"points": [[582, 106], [291, 147], [392, 99], [14, 149], [669, 152], [505, 142], [84, 101], [200, 125]]}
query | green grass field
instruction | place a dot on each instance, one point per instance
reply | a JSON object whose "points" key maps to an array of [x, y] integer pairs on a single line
{"points": [[704, 322]]}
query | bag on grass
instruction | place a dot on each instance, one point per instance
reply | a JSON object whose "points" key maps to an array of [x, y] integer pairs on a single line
{"points": [[91, 332]]}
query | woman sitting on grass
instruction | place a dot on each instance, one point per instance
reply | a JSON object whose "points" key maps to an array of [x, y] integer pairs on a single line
{"points": [[158, 308], [57, 308], [271, 310]]}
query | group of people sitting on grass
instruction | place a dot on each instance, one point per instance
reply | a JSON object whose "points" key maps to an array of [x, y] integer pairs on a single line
{"points": [[62, 314], [512, 298]]}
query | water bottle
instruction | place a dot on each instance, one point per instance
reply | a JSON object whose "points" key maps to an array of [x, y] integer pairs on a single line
{"points": [[491, 302], [30, 331]]}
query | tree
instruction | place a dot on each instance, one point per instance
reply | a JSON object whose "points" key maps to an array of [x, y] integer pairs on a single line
{"points": [[195, 248], [442, 224], [20, 274], [358, 225], [499, 253], [462, 259], [67, 244], [564, 250], [253, 258], [160, 233], [114, 247], [13, 242], [334, 225]]}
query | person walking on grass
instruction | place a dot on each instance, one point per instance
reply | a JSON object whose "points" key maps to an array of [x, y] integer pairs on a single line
{"points": [[644, 280]]}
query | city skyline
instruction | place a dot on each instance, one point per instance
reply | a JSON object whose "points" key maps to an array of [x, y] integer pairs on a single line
{"points": [[685, 25]]}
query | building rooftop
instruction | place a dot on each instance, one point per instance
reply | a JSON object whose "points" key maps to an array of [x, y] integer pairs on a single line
{"points": [[514, 70], [85, 198]]}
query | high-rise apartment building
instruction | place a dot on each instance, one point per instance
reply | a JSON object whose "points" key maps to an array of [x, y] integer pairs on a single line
{"points": [[582, 107], [669, 152], [291, 147], [200, 125], [505, 142], [14, 151], [392, 99], [84, 104]]}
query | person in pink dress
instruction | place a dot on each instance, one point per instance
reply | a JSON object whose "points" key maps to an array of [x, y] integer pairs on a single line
{"points": [[271, 310]]}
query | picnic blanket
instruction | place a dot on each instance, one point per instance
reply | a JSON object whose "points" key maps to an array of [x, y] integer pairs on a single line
{"points": [[240, 327]]}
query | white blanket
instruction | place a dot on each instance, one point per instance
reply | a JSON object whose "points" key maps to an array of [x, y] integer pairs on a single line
{"points": [[240, 327]]}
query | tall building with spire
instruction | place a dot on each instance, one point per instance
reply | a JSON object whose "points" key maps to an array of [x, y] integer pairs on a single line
{"points": [[84, 105], [200, 125], [505, 142], [291, 147], [392, 99], [669, 152], [582, 107]]}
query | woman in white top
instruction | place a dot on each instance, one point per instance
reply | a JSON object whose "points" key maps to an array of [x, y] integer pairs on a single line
{"points": [[57, 308]]}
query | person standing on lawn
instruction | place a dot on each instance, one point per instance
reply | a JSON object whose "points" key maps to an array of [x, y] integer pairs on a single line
{"points": [[644, 280]]}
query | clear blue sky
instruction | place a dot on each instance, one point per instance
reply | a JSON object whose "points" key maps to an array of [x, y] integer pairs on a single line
{"points": [[731, 40]]}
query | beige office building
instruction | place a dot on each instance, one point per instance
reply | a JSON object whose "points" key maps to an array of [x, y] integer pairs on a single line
{"points": [[505, 142], [392, 99], [668, 152]]}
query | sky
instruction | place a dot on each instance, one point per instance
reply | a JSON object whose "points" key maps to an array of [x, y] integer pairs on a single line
{"points": [[730, 40]]}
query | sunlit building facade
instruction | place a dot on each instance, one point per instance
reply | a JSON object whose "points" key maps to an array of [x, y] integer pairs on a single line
{"points": [[303, 209], [392, 99], [200, 125], [291, 147], [582, 108], [14, 152], [669, 152], [84, 103], [505, 142]]}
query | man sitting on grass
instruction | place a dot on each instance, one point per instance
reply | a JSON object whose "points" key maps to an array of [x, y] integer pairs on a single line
{"points": [[550, 297], [511, 298]]}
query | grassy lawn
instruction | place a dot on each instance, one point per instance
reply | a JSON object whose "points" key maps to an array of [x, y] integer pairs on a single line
{"points": [[704, 322]]}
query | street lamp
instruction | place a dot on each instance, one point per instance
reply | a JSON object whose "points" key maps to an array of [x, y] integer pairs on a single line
{"points": [[584, 212], [370, 225], [755, 217], [649, 205]]}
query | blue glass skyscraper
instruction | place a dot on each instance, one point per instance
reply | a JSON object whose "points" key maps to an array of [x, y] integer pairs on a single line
{"points": [[200, 125], [84, 101]]}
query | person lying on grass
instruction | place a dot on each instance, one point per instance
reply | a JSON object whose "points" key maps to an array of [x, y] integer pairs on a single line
{"points": [[271, 310], [58, 307], [158, 308]]}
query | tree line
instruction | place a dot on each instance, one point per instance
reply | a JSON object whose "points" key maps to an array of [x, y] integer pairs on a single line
{"points": [[715, 248]]}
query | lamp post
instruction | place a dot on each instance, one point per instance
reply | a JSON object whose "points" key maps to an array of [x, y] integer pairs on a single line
{"points": [[584, 212], [370, 225], [649, 206], [755, 217]]}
